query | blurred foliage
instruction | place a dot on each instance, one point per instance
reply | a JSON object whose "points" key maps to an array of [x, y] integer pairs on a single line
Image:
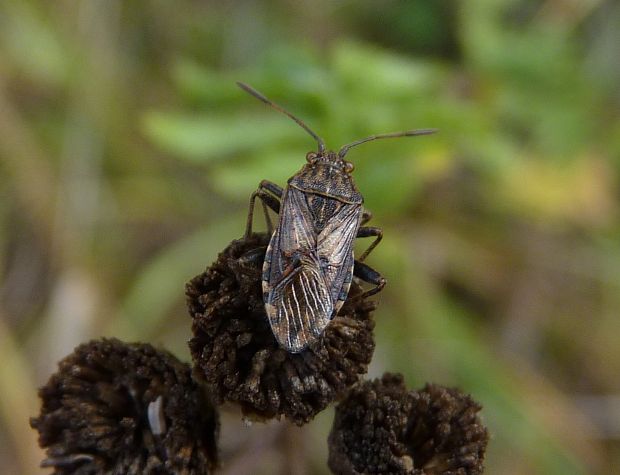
{"points": [[128, 155]]}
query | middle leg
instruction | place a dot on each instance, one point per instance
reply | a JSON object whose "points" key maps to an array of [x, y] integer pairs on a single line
{"points": [[368, 231]]}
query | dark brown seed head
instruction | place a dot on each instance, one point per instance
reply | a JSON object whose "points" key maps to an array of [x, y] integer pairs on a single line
{"points": [[236, 354], [124, 408], [381, 427]]}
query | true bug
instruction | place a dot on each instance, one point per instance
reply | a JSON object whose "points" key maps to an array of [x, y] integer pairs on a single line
{"points": [[309, 262]]}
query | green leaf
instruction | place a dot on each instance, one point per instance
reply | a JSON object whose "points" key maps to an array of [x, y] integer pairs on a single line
{"points": [[203, 137]]}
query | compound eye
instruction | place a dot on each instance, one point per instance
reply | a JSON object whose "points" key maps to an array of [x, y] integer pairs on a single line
{"points": [[349, 167], [311, 157]]}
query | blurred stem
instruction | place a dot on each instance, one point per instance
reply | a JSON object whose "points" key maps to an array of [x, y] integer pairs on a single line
{"points": [[247, 461], [74, 300], [26, 163], [567, 12], [293, 450], [18, 402]]}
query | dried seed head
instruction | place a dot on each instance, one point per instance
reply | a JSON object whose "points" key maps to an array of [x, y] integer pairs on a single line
{"points": [[383, 428], [236, 354], [124, 408]]}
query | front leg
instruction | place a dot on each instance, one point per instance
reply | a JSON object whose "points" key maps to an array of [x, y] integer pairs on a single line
{"points": [[368, 274], [270, 195]]}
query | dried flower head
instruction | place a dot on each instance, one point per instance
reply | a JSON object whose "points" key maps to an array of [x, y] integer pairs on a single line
{"points": [[383, 428], [124, 408], [236, 354]]}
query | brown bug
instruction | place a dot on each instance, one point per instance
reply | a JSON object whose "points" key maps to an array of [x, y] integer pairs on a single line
{"points": [[309, 262]]}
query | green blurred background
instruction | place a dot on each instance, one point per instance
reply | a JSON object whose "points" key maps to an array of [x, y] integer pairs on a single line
{"points": [[127, 156]]}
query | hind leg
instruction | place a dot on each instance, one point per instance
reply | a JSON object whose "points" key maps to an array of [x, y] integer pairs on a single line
{"points": [[368, 274]]}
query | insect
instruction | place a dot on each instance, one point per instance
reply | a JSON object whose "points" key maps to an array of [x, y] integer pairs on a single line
{"points": [[309, 263]]}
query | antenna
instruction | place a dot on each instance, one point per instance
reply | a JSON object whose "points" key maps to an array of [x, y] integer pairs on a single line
{"points": [[262, 98], [408, 133]]}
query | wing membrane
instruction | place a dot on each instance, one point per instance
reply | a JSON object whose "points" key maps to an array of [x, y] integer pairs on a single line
{"points": [[334, 247], [299, 308], [295, 228]]}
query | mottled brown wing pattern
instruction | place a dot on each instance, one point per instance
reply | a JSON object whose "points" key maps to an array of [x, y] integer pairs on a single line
{"points": [[306, 277], [296, 297], [335, 250], [299, 308], [295, 233]]}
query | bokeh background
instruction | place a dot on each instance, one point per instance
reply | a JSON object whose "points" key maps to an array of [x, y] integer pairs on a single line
{"points": [[127, 156]]}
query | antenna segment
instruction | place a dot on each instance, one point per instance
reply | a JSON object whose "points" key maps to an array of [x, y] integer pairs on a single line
{"points": [[260, 97]]}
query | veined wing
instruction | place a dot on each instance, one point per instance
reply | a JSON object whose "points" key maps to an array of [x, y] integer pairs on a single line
{"points": [[294, 236], [295, 227], [299, 307], [335, 250]]}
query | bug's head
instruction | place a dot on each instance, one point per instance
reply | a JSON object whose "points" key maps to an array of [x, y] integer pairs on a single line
{"points": [[331, 159]]}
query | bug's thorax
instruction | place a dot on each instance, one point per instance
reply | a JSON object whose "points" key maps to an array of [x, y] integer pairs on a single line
{"points": [[328, 175]]}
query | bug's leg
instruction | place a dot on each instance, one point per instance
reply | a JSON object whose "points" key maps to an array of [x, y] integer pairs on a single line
{"points": [[368, 274], [366, 216], [267, 200], [271, 187], [249, 263], [368, 231], [252, 257]]}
